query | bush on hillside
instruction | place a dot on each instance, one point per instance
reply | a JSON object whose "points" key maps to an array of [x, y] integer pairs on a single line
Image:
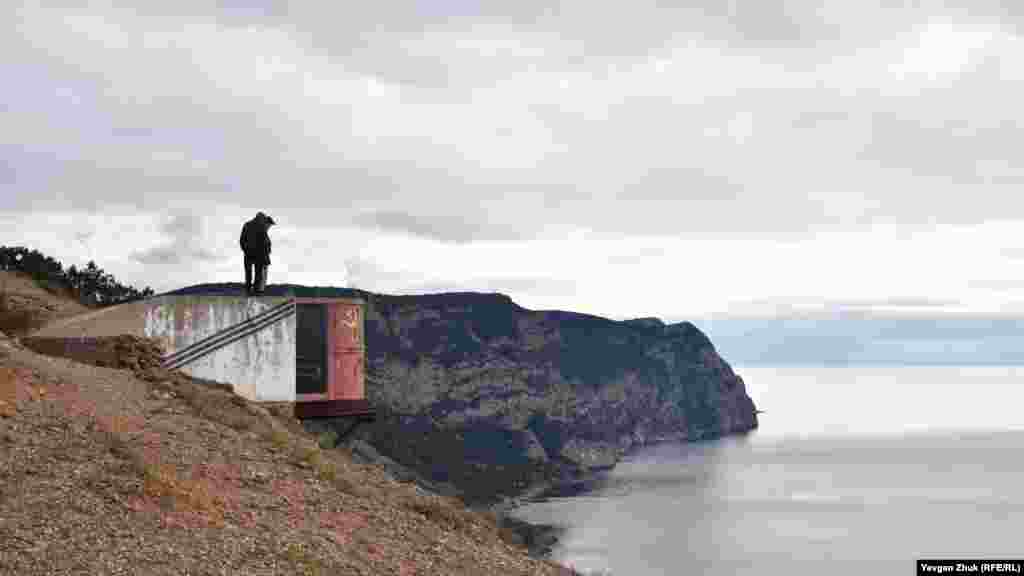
{"points": [[89, 285]]}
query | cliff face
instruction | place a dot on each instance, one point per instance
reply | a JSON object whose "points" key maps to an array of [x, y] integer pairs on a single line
{"points": [[549, 385], [485, 395]]}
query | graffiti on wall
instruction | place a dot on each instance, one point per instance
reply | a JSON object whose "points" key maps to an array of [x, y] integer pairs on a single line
{"points": [[349, 318]]}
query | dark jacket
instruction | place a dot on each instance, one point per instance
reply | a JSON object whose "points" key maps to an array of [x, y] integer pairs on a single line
{"points": [[254, 240]]}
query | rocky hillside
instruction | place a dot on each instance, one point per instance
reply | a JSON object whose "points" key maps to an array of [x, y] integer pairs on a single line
{"points": [[482, 396], [108, 470], [24, 306]]}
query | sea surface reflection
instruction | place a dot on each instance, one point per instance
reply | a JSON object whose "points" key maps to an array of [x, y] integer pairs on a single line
{"points": [[853, 469]]}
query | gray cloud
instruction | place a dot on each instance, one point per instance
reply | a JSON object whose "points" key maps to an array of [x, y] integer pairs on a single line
{"points": [[446, 121], [445, 228], [186, 243], [174, 255], [436, 288], [526, 285], [368, 275], [1015, 252], [871, 304], [513, 287]]}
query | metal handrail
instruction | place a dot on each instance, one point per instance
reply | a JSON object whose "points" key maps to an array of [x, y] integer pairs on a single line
{"points": [[228, 336], [241, 325]]}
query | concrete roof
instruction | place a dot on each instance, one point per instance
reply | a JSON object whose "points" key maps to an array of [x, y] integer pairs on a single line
{"points": [[113, 321]]}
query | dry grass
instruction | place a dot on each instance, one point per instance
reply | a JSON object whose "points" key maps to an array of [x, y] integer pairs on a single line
{"points": [[217, 405], [213, 403], [327, 471], [160, 480], [302, 562], [279, 438], [325, 468], [303, 452]]}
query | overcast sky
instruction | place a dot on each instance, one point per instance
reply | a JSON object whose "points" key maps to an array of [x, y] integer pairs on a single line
{"points": [[746, 157]]}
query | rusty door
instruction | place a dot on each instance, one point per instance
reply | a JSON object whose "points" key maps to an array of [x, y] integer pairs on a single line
{"points": [[347, 351]]}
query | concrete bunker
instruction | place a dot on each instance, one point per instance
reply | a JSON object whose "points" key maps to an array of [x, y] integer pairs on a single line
{"points": [[306, 351]]}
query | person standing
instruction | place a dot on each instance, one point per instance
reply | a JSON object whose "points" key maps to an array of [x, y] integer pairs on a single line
{"points": [[255, 244]]}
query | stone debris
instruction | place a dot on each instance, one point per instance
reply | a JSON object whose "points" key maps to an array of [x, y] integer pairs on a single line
{"points": [[124, 352]]}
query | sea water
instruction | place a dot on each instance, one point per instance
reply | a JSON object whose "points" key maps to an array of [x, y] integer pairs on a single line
{"points": [[854, 470]]}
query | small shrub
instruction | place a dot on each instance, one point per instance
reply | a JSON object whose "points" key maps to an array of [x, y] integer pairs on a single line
{"points": [[327, 440], [327, 472], [50, 286], [306, 453], [157, 481], [302, 561], [279, 438]]}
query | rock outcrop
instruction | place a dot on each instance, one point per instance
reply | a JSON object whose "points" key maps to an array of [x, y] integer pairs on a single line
{"points": [[585, 388], [123, 351]]}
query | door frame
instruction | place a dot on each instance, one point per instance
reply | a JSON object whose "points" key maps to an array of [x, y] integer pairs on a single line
{"points": [[324, 351]]}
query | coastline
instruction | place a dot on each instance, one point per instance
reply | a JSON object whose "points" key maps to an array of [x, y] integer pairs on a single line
{"points": [[567, 480], [541, 539], [538, 539]]}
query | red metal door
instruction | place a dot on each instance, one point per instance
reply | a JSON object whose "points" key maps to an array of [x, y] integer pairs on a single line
{"points": [[347, 351], [349, 368]]}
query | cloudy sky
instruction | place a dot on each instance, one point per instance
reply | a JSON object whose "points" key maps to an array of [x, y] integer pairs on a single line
{"points": [[693, 159]]}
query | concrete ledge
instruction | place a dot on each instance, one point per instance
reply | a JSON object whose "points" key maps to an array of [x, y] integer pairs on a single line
{"points": [[358, 409]]}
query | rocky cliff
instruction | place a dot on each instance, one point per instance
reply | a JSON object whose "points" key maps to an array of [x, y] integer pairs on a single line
{"points": [[482, 395]]}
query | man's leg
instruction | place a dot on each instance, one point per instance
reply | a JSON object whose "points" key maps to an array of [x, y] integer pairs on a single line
{"points": [[248, 263], [261, 278]]}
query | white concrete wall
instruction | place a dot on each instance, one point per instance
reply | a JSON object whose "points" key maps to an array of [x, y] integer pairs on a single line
{"points": [[260, 367]]}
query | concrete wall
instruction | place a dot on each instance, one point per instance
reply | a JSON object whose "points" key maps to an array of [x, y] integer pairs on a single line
{"points": [[261, 367]]}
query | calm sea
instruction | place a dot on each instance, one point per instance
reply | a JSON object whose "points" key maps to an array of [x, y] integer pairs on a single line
{"points": [[855, 470]]}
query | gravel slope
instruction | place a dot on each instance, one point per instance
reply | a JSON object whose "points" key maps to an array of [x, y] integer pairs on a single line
{"points": [[109, 471]]}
